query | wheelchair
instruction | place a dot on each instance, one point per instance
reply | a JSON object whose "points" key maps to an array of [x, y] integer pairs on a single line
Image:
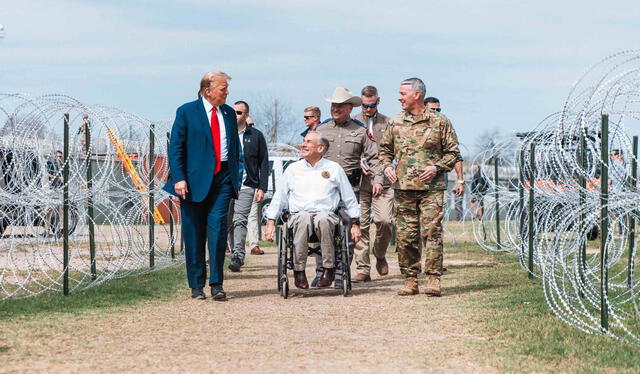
{"points": [[286, 253]]}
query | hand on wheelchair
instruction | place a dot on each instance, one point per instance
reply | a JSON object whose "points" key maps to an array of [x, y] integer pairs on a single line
{"points": [[355, 233], [270, 230]]}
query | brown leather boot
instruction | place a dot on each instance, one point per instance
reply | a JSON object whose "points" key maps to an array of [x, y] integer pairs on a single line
{"points": [[410, 287], [327, 277], [300, 279], [257, 251], [361, 278], [433, 285], [382, 266]]}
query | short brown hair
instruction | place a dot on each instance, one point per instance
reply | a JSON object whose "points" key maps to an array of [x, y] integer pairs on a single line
{"points": [[369, 91], [313, 109], [211, 77]]}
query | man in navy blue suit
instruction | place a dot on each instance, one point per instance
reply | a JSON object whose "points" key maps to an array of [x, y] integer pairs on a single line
{"points": [[203, 171]]}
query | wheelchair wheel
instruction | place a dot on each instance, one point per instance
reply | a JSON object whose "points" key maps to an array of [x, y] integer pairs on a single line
{"points": [[346, 270], [283, 280], [280, 255], [285, 287]]}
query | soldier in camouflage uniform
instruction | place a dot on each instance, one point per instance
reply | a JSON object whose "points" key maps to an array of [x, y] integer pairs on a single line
{"points": [[425, 146]]}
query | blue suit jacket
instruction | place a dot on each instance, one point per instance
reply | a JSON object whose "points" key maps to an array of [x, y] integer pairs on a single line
{"points": [[191, 154]]}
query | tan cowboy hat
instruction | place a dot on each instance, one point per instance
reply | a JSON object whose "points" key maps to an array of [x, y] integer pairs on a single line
{"points": [[342, 95]]}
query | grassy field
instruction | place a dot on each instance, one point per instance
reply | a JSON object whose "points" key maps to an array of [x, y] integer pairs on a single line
{"points": [[114, 294]]}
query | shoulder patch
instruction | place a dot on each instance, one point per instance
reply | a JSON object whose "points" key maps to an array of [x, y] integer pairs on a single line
{"points": [[359, 123]]}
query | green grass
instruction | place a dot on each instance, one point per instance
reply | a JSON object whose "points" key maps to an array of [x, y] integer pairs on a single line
{"points": [[526, 337], [160, 284]]}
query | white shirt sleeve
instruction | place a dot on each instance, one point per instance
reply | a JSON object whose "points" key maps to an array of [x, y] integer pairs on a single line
{"points": [[279, 197], [347, 195]]}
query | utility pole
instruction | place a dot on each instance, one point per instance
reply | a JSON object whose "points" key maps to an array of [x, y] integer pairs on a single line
{"points": [[275, 121]]}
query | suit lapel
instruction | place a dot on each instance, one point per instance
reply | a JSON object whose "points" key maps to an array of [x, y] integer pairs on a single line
{"points": [[204, 120]]}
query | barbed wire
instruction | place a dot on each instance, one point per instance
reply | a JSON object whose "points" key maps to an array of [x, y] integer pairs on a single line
{"points": [[566, 180], [31, 187]]}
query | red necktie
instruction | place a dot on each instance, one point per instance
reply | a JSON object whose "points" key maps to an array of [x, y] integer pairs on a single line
{"points": [[215, 135]]}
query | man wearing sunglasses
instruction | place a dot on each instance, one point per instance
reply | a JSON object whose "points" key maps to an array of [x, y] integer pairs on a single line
{"points": [[254, 171], [311, 119], [434, 104], [378, 206]]}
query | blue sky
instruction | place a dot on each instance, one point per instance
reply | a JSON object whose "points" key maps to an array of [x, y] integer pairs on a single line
{"points": [[493, 64]]}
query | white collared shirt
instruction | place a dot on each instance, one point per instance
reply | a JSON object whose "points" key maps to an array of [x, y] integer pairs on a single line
{"points": [[316, 188], [223, 130]]}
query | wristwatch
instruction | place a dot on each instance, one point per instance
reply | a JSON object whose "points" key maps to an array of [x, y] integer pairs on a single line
{"points": [[438, 168], [355, 221], [460, 181]]}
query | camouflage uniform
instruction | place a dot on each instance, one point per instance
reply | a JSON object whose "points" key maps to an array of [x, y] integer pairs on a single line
{"points": [[416, 142]]}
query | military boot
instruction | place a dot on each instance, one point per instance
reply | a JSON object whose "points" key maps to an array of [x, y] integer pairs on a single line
{"points": [[410, 287], [433, 285]]}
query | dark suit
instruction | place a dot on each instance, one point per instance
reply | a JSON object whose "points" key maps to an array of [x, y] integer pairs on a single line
{"points": [[204, 211]]}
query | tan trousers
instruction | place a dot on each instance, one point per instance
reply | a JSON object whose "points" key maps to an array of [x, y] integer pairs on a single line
{"points": [[304, 224], [380, 210]]}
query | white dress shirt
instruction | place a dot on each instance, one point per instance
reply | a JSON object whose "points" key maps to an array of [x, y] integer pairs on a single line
{"points": [[223, 130], [316, 188]]}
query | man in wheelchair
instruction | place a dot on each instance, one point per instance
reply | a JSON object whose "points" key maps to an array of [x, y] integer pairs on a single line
{"points": [[312, 188]]}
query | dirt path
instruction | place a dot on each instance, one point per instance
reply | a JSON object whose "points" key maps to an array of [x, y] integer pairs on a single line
{"points": [[316, 331]]}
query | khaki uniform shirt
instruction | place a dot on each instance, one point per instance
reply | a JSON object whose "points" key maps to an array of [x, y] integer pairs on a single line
{"points": [[349, 142], [376, 125], [418, 141]]}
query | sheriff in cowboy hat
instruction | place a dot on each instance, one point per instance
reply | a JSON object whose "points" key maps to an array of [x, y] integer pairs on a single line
{"points": [[350, 141]]}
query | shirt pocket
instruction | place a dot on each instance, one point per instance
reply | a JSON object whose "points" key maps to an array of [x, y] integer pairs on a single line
{"points": [[431, 138], [352, 145]]}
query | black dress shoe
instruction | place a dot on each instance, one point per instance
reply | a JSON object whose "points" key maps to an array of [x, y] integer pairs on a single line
{"points": [[300, 279], [327, 277], [235, 265], [198, 293], [217, 293]]}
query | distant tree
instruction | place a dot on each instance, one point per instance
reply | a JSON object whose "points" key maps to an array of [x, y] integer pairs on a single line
{"points": [[275, 118], [22, 127], [496, 143]]}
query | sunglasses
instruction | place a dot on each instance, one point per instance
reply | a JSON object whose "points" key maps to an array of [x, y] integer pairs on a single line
{"points": [[309, 117], [438, 109], [369, 106], [239, 112]]}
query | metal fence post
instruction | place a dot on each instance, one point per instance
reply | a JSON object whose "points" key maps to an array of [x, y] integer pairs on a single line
{"points": [[151, 197], [582, 199], [497, 194], [65, 208], [89, 176], [604, 221], [532, 183], [521, 180], [632, 221]]}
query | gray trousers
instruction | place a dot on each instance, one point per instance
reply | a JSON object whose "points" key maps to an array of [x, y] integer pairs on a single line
{"points": [[238, 226], [303, 224]]}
